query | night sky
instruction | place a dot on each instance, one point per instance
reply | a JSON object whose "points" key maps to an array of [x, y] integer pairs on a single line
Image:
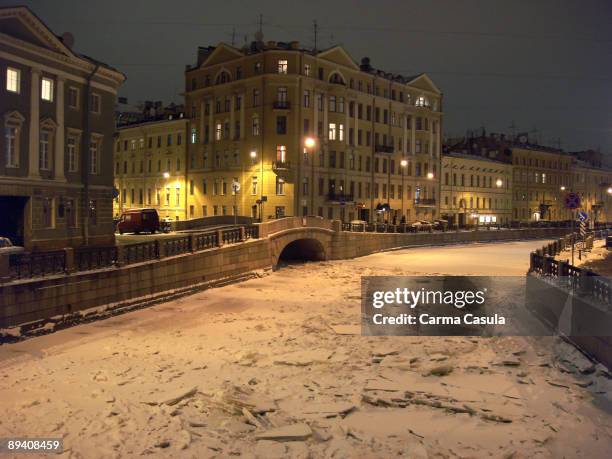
{"points": [[544, 64]]}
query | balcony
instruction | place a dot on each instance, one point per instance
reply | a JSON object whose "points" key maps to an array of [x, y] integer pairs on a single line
{"points": [[385, 149], [281, 105], [425, 202], [339, 197], [279, 166]]}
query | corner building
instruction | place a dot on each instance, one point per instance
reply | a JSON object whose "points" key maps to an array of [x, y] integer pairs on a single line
{"points": [[377, 135]]}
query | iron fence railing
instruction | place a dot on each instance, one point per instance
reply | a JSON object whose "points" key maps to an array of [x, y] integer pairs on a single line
{"points": [[205, 241], [177, 246], [231, 236], [142, 251], [87, 258], [35, 264], [251, 232]]}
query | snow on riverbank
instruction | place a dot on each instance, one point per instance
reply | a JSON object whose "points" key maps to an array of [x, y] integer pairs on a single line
{"points": [[276, 367]]}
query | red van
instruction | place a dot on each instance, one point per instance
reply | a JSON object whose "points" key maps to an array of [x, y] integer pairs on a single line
{"points": [[138, 221]]}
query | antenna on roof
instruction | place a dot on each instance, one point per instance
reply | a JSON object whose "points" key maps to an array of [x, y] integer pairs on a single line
{"points": [[314, 25], [513, 129], [259, 33]]}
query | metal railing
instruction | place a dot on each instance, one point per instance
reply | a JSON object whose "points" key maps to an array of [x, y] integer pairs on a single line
{"points": [[142, 251], [177, 246], [251, 232], [543, 263], [36, 264], [87, 258]]}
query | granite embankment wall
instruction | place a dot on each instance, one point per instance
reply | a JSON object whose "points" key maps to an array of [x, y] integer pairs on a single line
{"points": [[29, 300]]}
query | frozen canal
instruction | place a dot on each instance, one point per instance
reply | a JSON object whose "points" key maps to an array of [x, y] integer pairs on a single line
{"points": [[229, 371]]}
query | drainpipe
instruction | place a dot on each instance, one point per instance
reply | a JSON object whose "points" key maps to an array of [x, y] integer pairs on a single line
{"points": [[85, 157]]}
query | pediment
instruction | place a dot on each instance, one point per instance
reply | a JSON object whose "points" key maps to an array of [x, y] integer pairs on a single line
{"points": [[21, 23], [222, 53], [425, 83], [338, 55]]}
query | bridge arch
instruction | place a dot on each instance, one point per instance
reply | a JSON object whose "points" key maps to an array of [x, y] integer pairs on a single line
{"points": [[309, 245]]}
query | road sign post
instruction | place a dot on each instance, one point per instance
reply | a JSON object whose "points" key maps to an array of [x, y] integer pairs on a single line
{"points": [[235, 189]]}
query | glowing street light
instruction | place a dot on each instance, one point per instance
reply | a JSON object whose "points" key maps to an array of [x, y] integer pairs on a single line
{"points": [[403, 164], [253, 154], [562, 188], [309, 142], [610, 190], [166, 175], [499, 183], [430, 175]]}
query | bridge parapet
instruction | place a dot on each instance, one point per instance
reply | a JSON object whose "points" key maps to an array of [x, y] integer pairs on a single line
{"points": [[287, 223]]}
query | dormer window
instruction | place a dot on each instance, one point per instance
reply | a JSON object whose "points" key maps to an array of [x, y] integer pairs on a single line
{"points": [[336, 78], [421, 101], [223, 77]]}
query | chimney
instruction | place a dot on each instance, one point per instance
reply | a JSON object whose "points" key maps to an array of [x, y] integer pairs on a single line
{"points": [[365, 64]]}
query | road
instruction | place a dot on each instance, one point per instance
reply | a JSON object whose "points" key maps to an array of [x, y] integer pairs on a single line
{"points": [[172, 380]]}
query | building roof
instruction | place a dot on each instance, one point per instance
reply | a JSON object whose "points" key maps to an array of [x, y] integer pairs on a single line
{"points": [[36, 32]]}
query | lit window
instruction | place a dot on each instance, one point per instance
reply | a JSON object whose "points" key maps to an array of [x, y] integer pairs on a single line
{"points": [[282, 66], [421, 102], [332, 131], [13, 80], [194, 135], [307, 69], [280, 185], [218, 131], [281, 153], [341, 132], [47, 89]]}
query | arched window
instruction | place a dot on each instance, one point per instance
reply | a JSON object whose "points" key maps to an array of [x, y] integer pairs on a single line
{"points": [[223, 77], [421, 101], [336, 78]]}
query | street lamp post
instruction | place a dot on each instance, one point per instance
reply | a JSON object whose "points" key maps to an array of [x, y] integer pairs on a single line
{"points": [[403, 165], [309, 143]]}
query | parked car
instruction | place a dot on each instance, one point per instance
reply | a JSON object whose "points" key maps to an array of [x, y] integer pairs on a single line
{"points": [[440, 224], [7, 247], [421, 225], [166, 224], [139, 221]]}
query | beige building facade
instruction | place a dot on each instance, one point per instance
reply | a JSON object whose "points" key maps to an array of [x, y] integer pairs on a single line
{"points": [[150, 161], [56, 110], [594, 186], [252, 110], [475, 190]]}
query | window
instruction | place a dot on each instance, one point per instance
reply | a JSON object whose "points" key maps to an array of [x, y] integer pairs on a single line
{"points": [[341, 132], [332, 131], [281, 95], [257, 69], [194, 135], [421, 102], [255, 97], [307, 69], [306, 98], [13, 80], [12, 159], [94, 155], [281, 124], [46, 89], [95, 103], [281, 153], [280, 185], [282, 66], [254, 185], [332, 103], [255, 125], [47, 212], [43, 153], [73, 97], [71, 149], [218, 131]]}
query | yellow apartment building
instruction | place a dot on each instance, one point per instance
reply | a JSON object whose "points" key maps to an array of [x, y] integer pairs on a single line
{"points": [[150, 162], [475, 190], [309, 132], [594, 186], [541, 180]]}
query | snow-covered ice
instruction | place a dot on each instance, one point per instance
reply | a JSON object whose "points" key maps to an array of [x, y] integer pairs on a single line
{"points": [[276, 367]]}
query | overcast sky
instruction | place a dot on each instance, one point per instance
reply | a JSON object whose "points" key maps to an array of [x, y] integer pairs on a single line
{"points": [[544, 64]]}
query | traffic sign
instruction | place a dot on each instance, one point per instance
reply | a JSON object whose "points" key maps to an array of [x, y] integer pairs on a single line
{"points": [[572, 201], [583, 216]]}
